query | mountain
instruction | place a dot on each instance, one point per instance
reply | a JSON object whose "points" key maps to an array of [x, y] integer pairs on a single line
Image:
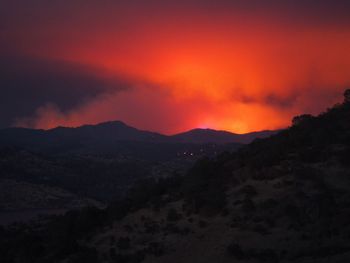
{"points": [[107, 131], [202, 136], [285, 198], [115, 137], [64, 168], [64, 138]]}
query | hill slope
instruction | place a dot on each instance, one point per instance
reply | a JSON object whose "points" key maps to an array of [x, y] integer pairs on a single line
{"points": [[281, 199], [59, 168], [214, 136], [112, 137], [100, 138]]}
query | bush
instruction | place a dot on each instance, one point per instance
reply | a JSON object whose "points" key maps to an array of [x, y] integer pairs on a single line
{"points": [[249, 191], [85, 255], [297, 120], [123, 243], [173, 215], [202, 224], [236, 251], [248, 206], [347, 96], [261, 229], [267, 255], [155, 248], [204, 187]]}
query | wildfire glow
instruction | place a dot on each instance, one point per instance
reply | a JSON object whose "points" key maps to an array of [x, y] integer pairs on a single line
{"points": [[240, 71]]}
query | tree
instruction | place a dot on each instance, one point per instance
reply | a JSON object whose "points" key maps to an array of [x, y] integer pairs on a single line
{"points": [[124, 243], [347, 96], [173, 215], [301, 119], [235, 250]]}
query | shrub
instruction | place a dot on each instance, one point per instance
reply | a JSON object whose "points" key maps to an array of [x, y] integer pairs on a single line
{"points": [[297, 120], [248, 206], [249, 190], [267, 255], [204, 187], [347, 96], [123, 243], [173, 215], [202, 224], [112, 240], [261, 229], [236, 251], [155, 248]]}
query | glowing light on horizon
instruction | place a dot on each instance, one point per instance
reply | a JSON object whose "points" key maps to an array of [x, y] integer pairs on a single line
{"points": [[240, 71]]}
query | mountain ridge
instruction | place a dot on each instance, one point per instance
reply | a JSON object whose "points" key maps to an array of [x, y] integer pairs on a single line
{"points": [[281, 199], [120, 131], [199, 135]]}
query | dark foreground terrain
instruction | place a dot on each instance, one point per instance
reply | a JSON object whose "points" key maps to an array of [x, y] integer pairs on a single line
{"points": [[43, 171], [280, 199], [69, 168]]}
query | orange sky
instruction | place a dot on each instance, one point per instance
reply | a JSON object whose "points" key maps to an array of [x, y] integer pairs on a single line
{"points": [[233, 69]]}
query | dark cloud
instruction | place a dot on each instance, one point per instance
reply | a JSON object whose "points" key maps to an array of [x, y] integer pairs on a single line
{"points": [[43, 11], [27, 84], [282, 102], [248, 43]]}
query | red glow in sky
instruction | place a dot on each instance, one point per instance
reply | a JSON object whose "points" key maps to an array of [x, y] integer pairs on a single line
{"points": [[239, 68]]}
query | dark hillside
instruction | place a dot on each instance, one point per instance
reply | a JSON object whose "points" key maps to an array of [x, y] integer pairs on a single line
{"points": [[280, 199], [116, 137]]}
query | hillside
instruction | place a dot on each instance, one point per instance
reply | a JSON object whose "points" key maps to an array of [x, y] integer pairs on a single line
{"points": [[115, 137], [41, 182], [92, 162], [280, 199], [213, 136]]}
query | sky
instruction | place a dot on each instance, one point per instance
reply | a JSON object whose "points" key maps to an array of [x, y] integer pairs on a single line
{"points": [[170, 66]]}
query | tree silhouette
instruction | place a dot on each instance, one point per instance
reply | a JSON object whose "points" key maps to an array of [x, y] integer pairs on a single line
{"points": [[347, 96], [301, 118]]}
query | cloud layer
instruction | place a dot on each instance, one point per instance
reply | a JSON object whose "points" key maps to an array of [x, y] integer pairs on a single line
{"points": [[170, 66]]}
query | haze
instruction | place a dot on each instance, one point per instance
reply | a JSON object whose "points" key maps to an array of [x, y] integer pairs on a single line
{"points": [[170, 66]]}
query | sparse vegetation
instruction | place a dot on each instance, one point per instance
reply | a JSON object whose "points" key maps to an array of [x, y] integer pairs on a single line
{"points": [[281, 199]]}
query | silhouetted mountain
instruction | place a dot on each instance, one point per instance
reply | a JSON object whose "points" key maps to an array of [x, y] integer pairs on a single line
{"points": [[281, 199], [88, 163], [114, 137], [104, 135], [107, 131], [214, 136]]}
